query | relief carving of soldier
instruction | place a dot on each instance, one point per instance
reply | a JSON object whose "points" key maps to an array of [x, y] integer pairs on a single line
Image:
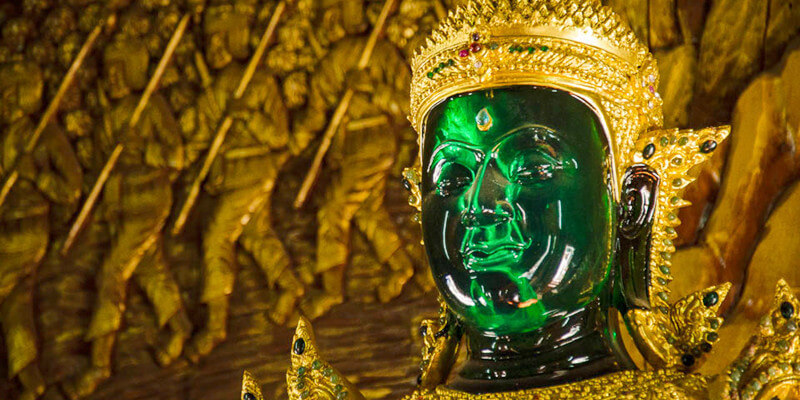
{"points": [[256, 142], [362, 158], [136, 201], [51, 174]]}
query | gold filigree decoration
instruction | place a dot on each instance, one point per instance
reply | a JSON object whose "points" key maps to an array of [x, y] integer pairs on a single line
{"points": [[310, 377], [440, 342], [577, 46], [664, 384], [684, 333], [251, 390], [769, 366], [673, 154], [412, 180]]}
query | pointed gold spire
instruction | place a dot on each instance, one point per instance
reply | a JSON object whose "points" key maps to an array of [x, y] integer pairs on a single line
{"points": [[310, 377], [251, 390]]}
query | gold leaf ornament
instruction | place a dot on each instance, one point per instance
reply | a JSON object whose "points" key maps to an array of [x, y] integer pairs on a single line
{"points": [[312, 378], [769, 366], [251, 390], [682, 335]]}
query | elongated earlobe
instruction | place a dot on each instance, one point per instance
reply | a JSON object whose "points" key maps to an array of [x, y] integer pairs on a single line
{"points": [[636, 212], [638, 201]]}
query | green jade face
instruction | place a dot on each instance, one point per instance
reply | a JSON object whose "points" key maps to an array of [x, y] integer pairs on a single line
{"points": [[518, 215]]}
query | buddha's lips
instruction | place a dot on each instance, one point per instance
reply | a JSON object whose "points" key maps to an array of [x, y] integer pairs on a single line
{"points": [[482, 255]]}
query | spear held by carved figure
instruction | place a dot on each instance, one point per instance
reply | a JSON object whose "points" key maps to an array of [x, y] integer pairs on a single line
{"points": [[223, 128], [341, 109]]}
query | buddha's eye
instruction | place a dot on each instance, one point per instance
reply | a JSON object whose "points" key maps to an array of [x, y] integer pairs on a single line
{"points": [[452, 178], [534, 174], [532, 169]]}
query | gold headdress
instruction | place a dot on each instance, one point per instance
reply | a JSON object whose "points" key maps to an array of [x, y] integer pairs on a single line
{"points": [[578, 46]]}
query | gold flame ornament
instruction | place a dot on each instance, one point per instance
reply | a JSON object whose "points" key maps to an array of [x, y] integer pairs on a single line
{"points": [[310, 377], [251, 390]]}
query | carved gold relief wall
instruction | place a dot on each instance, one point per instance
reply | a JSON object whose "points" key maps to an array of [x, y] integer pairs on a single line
{"points": [[153, 244]]}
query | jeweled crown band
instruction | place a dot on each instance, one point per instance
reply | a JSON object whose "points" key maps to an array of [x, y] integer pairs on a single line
{"points": [[530, 60]]}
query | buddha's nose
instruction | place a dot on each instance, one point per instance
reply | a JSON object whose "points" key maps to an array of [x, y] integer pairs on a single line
{"points": [[487, 204]]}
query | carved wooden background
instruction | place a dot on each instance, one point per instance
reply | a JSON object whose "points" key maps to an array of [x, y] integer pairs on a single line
{"points": [[119, 289]]}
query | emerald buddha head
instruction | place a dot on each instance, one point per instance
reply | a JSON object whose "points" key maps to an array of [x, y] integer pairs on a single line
{"points": [[518, 212], [547, 188]]}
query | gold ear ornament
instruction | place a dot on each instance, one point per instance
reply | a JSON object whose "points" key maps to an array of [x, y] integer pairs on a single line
{"points": [[669, 334], [441, 338], [412, 181]]}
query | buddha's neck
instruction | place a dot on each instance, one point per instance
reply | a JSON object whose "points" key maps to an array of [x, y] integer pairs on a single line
{"points": [[574, 348]]}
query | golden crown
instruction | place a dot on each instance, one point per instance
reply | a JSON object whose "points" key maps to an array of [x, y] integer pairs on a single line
{"points": [[578, 46]]}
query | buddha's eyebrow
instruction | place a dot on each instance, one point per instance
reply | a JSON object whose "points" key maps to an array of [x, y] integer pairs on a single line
{"points": [[542, 136], [448, 145]]}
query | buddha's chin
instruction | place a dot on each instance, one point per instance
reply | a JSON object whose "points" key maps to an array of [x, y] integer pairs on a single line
{"points": [[501, 292], [500, 318]]}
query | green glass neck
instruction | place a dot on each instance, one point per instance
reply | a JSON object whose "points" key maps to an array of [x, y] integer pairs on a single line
{"points": [[582, 345]]}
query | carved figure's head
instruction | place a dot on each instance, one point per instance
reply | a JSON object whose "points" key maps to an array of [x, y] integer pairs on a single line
{"points": [[125, 65], [15, 33], [21, 88], [227, 33]]}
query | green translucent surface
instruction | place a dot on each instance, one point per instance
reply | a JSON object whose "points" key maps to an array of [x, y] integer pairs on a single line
{"points": [[517, 209]]}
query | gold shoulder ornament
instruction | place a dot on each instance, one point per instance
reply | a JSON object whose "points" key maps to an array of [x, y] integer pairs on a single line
{"points": [[769, 366], [441, 338]]}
